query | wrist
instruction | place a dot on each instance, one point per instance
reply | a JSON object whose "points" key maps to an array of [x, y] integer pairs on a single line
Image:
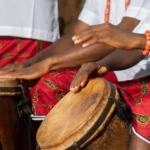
{"points": [[51, 63], [26, 63], [102, 63], [139, 42]]}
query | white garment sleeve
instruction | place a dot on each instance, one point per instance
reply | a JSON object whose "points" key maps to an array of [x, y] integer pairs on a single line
{"points": [[90, 13], [141, 69], [139, 9]]}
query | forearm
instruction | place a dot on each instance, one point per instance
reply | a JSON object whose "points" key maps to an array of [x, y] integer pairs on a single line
{"points": [[78, 55], [60, 45], [120, 60], [63, 44]]}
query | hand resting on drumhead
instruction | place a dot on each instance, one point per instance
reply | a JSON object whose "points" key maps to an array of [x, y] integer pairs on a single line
{"points": [[26, 72], [117, 60], [84, 73], [68, 58], [13, 67], [111, 35]]}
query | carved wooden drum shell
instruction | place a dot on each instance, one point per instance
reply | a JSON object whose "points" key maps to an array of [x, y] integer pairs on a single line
{"points": [[11, 132]]}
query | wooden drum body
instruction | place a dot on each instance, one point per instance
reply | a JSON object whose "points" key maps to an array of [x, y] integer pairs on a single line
{"points": [[79, 118], [11, 137]]}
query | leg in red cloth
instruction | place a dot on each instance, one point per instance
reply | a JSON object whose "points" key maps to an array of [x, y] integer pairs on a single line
{"points": [[137, 95], [50, 89], [53, 86]]}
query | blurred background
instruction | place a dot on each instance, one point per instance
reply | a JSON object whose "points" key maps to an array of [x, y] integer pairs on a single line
{"points": [[69, 11]]}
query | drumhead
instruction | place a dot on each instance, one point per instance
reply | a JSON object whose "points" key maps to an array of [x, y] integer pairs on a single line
{"points": [[9, 87], [78, 117]]}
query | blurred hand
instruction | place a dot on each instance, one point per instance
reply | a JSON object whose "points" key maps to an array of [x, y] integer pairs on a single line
{"points": [[12, 67], [108, 34], [29, 73], [83, 74]]}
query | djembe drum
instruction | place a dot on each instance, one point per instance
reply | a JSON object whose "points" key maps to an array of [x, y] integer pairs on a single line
{"points": [[78, 119], [11, 131]]}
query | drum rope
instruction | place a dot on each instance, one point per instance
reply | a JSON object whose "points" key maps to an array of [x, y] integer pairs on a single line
{"points": [[24, 113]]}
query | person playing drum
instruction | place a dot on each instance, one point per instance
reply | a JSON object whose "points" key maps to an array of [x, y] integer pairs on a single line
{"points": [[78, 55], [135, 92], [52, 84], [26, 28]]}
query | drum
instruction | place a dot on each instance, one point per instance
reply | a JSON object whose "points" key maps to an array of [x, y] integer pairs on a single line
{"points": [[11, 131], [78, 119]]}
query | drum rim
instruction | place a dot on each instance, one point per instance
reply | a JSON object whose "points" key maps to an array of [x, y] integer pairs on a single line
{"points": [[82, 139], [10, 91], [85, 140]]}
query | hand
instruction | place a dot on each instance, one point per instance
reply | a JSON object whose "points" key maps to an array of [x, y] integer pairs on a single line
{"points": [[13, 67], [29, 73], [111, 35], [83, 74]]}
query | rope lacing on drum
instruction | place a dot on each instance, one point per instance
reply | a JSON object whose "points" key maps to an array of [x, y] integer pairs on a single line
{"points": [[24, 113]]}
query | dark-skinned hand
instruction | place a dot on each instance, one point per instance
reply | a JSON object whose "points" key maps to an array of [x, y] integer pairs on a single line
{"points": [[111, 35], [29, 73], [83, 74]]}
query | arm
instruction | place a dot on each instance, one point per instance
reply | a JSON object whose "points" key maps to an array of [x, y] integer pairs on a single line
{"points": [[114, 36], [66, 44], [62, 44], [78, 55], [120, 60], [117, 60], [72, 57]]}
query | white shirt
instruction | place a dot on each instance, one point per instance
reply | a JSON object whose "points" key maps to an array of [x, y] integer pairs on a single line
{"points": [[36, 19], [93, 13]]}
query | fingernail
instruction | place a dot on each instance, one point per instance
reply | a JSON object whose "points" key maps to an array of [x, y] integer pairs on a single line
{"points": [[76, 41], [76, 88], [84, 45], [74, 37], [82, 83], [71, 89]]}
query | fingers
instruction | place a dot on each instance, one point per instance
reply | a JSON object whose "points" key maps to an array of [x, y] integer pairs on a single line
{"points": [[27, 75], [102, 70], [82, 77], [10, 68], [17, 76], [91, 42], [90, 32], [78, 83], [80, 80], [95, 34], [6, 69], [86, 35], [7, 76]]}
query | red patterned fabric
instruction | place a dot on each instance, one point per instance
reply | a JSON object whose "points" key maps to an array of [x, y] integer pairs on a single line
{"points": [[50, 89], [54, 85], [137, 95], [18, 49]]}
